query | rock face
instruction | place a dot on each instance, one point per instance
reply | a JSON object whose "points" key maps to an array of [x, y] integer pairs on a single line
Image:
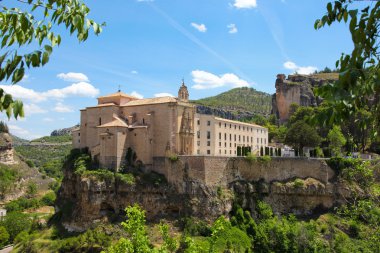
{"points": [[86, 200], [225, 114], [63, 131], [6, 149], [297, 89]]}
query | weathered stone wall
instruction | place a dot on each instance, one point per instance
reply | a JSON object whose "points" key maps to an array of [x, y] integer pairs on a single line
{"points": [[221, 171]]}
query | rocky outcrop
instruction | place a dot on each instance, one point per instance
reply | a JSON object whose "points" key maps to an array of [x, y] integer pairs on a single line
{"points": [[297, 89], [63, 131], [225, 114], [6, 149], [86, 200]]}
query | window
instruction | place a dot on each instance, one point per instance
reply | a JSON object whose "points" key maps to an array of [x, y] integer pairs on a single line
{"points": [[230, 145], [208, 143], [208, 151], [243, 138], [257, 130], [100, 121], [235, 127], [225, 136], [199, 134], [235, 145], [234, 137], [225, 125], [208, 135], [239, 127], [220, 144], [261, 130], [78, 134], [225, 144], [251, 139], [198, 122], [225, 152], [239, 138], [230, 125], [198, 143], [257, 140], [78, 141], [220, 124], [261, 140], [251, 130], [243, 128], [208, 122], [220, 136], [230, 137], [230, 152]]}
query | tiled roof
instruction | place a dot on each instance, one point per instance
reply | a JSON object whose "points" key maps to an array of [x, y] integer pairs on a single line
{"points": [[118, 94], [149, 101]]}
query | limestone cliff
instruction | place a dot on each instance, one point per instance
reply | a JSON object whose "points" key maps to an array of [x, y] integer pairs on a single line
{"points": [[297, 89], [306, 187]]}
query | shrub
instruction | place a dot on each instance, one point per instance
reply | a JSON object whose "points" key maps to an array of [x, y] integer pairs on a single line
{"points": [[48, 199], [298, 183], [125, 178], [194, 227], [4, 236], [264, 159], [250, 157], [173, 158], [15, 223], [31, 189], [101, 174], [30, 163]]}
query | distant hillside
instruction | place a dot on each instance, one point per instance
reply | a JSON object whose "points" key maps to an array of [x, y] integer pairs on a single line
{"points": [[54, 139], [17, 141], [238, 103], [63, 131]]}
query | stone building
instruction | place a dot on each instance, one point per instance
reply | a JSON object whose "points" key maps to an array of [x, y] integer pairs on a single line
{"points": [[154, 127]]}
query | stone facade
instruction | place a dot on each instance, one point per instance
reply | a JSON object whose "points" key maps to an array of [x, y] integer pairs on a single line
{"points": [[154, 127]]}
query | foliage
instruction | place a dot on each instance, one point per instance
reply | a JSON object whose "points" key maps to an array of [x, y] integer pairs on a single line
{"points": [[8, 177], [54, 139], [358, 86], [4, 236], [170, 244], [250, 157], [20, 29], [193, 227], [31, 189], [48, 159], [264, 159], [48, 199], [16, 222], [336, 139], [298, 183], [173, 158], [301, 135], [3, 127], [23, 203], [125, 178], [240, 99]]}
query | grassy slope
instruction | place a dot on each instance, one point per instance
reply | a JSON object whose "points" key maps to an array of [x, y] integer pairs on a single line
{"points": [[240, 99]]}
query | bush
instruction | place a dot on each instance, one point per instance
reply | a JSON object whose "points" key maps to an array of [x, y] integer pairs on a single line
{"points": [[15, 223], [125, 178], [31, 189], [173, 158], [48, 199], [298, 183], [30, 163], [101, 174], [4, 236], [250, 157], [264, 159], [194, 227]]}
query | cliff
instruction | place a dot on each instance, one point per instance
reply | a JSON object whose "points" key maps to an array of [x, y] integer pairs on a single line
{"points": [[306, 187], [297, 89]]}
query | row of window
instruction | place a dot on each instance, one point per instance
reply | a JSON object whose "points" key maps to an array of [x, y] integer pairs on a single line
{"points": [[236, 137], [230, 126]]}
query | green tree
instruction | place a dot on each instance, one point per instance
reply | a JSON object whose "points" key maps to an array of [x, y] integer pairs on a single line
{"points": [[302, 135], [4, 236], [19, 29], [31, 189], [336, 139], [15, 223], [358, 86], [7, 179]]}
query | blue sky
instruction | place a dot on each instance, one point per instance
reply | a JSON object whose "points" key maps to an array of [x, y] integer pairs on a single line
{"points": [[148, 46]]}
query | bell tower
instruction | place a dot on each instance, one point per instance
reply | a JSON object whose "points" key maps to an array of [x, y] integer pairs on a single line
{"points": [[183, 93]]}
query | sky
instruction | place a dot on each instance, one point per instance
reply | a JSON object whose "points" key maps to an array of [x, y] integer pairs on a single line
{"points": [[148, 46]]}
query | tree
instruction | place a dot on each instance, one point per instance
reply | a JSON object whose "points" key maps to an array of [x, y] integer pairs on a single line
{"points": [[15, 223], [336, 139], [31, 189], [302, 135], [19, 29], [358, 86], [4, 236]]}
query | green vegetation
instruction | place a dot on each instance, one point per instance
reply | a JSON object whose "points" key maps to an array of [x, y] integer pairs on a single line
{"points": [[23, 203], [48, 159], [302, 135], [173, 158], [54, 139], [3, 127], [8, 177], [240, 100]]}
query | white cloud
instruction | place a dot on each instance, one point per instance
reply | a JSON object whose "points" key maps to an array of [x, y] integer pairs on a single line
{"points": [[59, 107], [81, 89], [245, 4], [135, 72], [73, 77], [206, 80], [18, 91], [298, 69], [200, 27], [232, 28], [33, 109], [21, 132], [136, 94], [163, 94]]}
